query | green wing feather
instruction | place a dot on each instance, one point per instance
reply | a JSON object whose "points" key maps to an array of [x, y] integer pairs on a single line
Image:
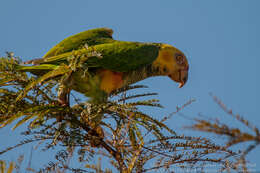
{"points": [[37, 69], [118, 56], [89, 37], [124, 56]]}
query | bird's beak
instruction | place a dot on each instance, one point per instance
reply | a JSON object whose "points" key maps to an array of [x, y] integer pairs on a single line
{"points": [[183, 77]]}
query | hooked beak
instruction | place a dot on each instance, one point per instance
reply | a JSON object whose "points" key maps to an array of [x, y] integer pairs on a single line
{"points": [[183, 77]]}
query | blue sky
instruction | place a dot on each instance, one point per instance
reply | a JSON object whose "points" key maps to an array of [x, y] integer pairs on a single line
{"points": [[220, 38]]}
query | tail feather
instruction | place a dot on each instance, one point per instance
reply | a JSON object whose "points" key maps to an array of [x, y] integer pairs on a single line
{"points": [[37, 69], [34, 61]]}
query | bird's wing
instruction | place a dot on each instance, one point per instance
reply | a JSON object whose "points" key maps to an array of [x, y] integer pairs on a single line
{"points": [[86, 38], [124, 56], [118, 56]]}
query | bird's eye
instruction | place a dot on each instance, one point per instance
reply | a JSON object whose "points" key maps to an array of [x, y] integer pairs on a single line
{"points": [[179, 59]]}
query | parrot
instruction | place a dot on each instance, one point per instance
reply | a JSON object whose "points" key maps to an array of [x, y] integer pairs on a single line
{"points": [[101, 64]]}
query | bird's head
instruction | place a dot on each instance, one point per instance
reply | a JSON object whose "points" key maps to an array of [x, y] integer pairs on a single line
{"points": [[173, 63]]}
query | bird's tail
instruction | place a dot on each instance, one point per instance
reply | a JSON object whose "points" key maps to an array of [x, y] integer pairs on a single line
{"points": [[37, 69], [34, 61]]}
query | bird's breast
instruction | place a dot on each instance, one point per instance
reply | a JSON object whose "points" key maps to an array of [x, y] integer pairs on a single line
{"points": [[110, 80]]}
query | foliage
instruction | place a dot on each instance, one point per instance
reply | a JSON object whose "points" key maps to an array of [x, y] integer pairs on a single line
{"points": [[117, 129], [233, 135], [4, 169]]}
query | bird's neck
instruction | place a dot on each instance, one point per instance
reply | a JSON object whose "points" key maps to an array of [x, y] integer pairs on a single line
{"points": [[141, 74]]}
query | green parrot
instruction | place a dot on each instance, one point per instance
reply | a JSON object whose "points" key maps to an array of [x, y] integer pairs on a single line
{"points": [[101, 65]]}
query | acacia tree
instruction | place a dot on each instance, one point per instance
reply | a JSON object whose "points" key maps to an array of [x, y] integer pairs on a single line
{"points": [[117, 129]]}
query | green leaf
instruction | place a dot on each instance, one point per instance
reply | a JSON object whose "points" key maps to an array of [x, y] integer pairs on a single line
{"points": [[138, 133], [25, 119], [132, 137], [12, 118]]}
